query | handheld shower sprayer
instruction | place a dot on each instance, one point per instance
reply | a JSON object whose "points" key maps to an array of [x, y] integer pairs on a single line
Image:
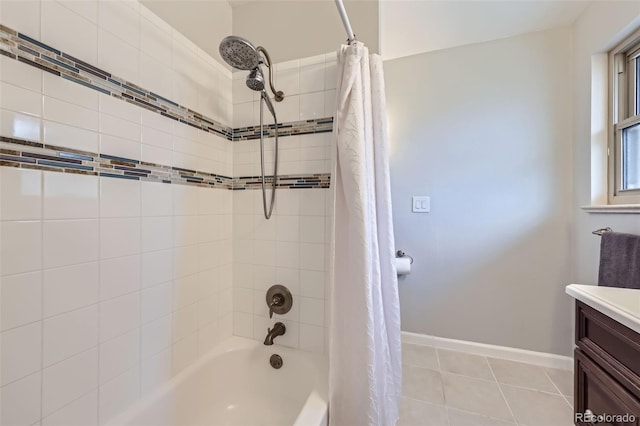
{"points": [[242, 55]]}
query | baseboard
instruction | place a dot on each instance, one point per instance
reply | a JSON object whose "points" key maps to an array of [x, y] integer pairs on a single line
{"points": [[504, 352]]}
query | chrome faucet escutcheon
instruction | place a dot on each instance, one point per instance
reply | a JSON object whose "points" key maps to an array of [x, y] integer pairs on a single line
{"points": [[277, 330]]}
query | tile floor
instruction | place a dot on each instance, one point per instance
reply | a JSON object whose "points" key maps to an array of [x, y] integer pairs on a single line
{"points": [[447, 388]]}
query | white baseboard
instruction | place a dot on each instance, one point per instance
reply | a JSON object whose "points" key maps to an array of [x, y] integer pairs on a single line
{"points": [[504, 352]]}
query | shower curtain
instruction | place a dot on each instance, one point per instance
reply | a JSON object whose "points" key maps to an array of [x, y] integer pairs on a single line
{"points": [[364, 347]]}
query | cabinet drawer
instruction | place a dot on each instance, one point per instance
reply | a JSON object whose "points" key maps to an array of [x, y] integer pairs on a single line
{"points": [[599, 393], [611, 345]]}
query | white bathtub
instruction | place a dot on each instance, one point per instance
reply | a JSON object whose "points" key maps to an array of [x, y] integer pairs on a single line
{"points": [[234, 384]]}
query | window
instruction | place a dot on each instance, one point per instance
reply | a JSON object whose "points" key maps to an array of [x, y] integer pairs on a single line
{"points": [[624, 137]]}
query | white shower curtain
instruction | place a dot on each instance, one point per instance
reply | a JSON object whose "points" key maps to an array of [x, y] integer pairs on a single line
{"points": [[364, 346]]}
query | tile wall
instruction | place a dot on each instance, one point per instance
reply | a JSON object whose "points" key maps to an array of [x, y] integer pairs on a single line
{"points": [[292, 248], [109, 286]]}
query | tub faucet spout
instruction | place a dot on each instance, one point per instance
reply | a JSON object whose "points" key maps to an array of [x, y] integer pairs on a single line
{"points": [[277, 330]]}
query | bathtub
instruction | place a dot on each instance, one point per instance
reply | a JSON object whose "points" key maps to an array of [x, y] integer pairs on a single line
{"points": [[234, 384]]}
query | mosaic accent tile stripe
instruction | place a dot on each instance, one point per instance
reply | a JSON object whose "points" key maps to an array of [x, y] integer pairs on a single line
{"points": [[25, 49], [35, 155]]}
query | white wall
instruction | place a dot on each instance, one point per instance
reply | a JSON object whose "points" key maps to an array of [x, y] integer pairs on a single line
{"points": [[601, 26], [485, 130], [109, 286], [292, 247]]}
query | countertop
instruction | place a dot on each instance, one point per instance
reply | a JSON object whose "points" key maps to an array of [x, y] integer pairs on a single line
{"points": [[620, 304]]}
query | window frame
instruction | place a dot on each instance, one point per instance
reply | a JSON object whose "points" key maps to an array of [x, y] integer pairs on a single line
{"points": [[623, 113]]}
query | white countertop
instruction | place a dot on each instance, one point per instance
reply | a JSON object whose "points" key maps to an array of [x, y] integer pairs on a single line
{"points": [[620, 304]]}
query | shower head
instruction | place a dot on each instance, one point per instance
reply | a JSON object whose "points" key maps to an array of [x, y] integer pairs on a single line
{"points": [[239, 53], [255, 80]]}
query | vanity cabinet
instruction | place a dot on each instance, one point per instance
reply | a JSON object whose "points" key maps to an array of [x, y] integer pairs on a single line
{"points": [[607, 369]]}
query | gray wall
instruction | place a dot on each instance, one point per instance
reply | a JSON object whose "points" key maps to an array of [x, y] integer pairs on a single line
{"points": [[485, 130], [299, 29], [597, 30]]}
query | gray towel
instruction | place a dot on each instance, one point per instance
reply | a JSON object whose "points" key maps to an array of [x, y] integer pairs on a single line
{"points": [[619, 260]]}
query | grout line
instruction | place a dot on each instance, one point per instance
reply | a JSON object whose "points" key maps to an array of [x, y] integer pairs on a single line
{"points": [[557, 388], [504, 398]]}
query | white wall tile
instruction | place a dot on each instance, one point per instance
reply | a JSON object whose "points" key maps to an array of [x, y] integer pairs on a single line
{"points": [[23, 16], [185, 352], [119, 197], [156, 336], [69, 114], [157, 267], [21, 352], [119, 108], [119, 127], [121, 19], [155, 41], [68, 380], [185, 291], [119, 315], [18, 73], [20, 100], [120, 58], [185, 322], [81, 412], [157, 233], [243, 324], [19, 126], [311, 105], [20, 247], [69, 91], [21, 191], [20, 400], [119, 276], [69, 334], [160, 139], [185, 230], [312, 338], [312, 229], [312, 311], [69, 136], [118, 394], [208, 338], [152, 154], [312, 284], [119, 355], [69, 196], [69, 288], [185, 200], [312, 256], [312, 78], [119, 237], [157, 302], [120, 147], [67, 242], [21, 297], [156, 199], [65, 37], [88, 9], [185, 261], [156, 370]]}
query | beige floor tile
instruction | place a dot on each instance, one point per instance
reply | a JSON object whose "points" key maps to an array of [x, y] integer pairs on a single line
{"points": [[418, 413], [563, 379], [465, 364], [533, 408], [420, 356], [423, 384], [475, 395], [462, 418], [521, 374]]}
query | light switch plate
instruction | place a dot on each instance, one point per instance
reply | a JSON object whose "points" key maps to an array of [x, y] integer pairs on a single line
{"points": [[420, 204]]}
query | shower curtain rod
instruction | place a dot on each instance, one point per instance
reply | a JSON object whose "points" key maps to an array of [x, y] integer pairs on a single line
{"points": [[351, 37]]}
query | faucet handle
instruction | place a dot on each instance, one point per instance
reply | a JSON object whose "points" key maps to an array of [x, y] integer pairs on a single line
{"points": [[277, 300]]}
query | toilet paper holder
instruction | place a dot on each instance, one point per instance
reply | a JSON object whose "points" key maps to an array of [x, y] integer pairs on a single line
{"points": [[400, 253]]}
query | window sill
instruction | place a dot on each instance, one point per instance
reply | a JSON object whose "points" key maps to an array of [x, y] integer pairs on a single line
{"points": [[613, 208]]}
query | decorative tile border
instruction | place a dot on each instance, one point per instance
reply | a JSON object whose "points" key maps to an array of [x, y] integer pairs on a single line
{"points": [[25, 49], [34, 155]]}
